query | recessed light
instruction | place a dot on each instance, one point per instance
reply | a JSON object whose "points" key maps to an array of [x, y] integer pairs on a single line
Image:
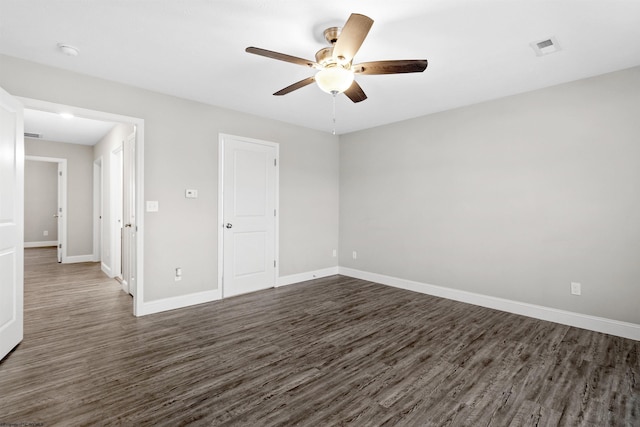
{"points": [[68, 49], [67, 116]]}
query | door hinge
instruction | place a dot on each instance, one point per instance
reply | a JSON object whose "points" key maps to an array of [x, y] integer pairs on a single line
{"points": [[274, 262], [275, 162], [60, 246], [60, 173], [274, 212]]}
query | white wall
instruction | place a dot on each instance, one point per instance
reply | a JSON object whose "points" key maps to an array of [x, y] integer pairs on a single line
{"points": [[79, 190], [40, 201], [513, 198], [181, 152]]}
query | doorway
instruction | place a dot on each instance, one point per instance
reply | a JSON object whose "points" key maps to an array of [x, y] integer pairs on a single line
{"points": [[248, 215], [136, 182], [46, 204]]}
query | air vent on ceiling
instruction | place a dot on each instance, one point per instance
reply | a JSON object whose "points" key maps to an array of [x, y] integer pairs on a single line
{"points": [[33, 135], [545, 47]]}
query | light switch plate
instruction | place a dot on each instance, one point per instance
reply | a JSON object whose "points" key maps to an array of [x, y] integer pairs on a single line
{"points": [[152, 206], [191, 194]]}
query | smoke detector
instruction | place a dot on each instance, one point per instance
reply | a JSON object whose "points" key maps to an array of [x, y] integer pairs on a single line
{"points": [[546, 46], [68, 49]]}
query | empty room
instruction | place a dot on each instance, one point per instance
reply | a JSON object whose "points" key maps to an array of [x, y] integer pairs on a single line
{"points": [[278, 213]]}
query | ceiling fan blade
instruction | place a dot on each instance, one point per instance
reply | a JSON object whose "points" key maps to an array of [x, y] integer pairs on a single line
{"points": [[280, 56], [391, 67], [355, 92], [353, 33], [295, 86]]}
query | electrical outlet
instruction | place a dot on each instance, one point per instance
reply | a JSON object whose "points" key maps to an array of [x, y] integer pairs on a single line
{"points": [[335, 253], [355, 255], [178, 274], [191, 194], [576, 288], [45, 233]]}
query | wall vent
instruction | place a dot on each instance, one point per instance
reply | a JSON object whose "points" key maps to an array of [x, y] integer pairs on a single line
{"points": [[33, 135], [546, 46]]}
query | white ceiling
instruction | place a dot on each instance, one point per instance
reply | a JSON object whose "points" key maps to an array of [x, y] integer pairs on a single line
{"points": [[73, 130], [477, 49]]}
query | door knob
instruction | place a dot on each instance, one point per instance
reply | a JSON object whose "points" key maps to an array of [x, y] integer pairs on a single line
{"points": [[127, 225], [229, 225], [56, 216]]}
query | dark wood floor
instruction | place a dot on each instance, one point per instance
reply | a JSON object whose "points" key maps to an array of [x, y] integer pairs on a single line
{"points": [[333, 351]]}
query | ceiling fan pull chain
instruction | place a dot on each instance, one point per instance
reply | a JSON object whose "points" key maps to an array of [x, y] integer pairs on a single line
{"points": [[334, 113]]}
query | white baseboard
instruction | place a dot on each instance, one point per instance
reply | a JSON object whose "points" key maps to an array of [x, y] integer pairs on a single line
{"points": [[182, 301], [208, 296], [309, 275], [125, 286], [106, 269], [40, 244], [78, 258], [593, 323]]}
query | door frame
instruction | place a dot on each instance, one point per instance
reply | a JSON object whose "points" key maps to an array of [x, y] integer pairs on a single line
{"points": [[62, 197], [220, 222], [129, 214], [36, 104]]}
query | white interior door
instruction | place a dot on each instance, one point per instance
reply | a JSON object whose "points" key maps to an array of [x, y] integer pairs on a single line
{"points": [[129, 215], [97, 210], [11, 222], [60, 212], [116, 212], [249, 215]]}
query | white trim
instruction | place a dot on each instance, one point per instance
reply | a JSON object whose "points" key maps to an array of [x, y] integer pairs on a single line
{"points": [[221, 139], [40, 244], [584, 321], [125, 286], [36, 104], [138, 292], [78, 258], [106, 270], [303, 277], [178, 302], [220, 212]]}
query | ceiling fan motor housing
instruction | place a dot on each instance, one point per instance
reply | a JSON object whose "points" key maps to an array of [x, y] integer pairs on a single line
{"points": [[325, 56], [331, 34]]}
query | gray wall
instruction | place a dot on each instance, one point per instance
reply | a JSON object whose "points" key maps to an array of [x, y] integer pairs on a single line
{"points": [[40, 201], [181, 151], [79, 189], [513, 198]]}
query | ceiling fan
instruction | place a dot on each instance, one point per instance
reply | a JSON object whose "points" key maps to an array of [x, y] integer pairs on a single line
{"points": [[334, 63]]}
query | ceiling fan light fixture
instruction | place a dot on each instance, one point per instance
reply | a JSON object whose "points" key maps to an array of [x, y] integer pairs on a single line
{"points": [[334, 80]]}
